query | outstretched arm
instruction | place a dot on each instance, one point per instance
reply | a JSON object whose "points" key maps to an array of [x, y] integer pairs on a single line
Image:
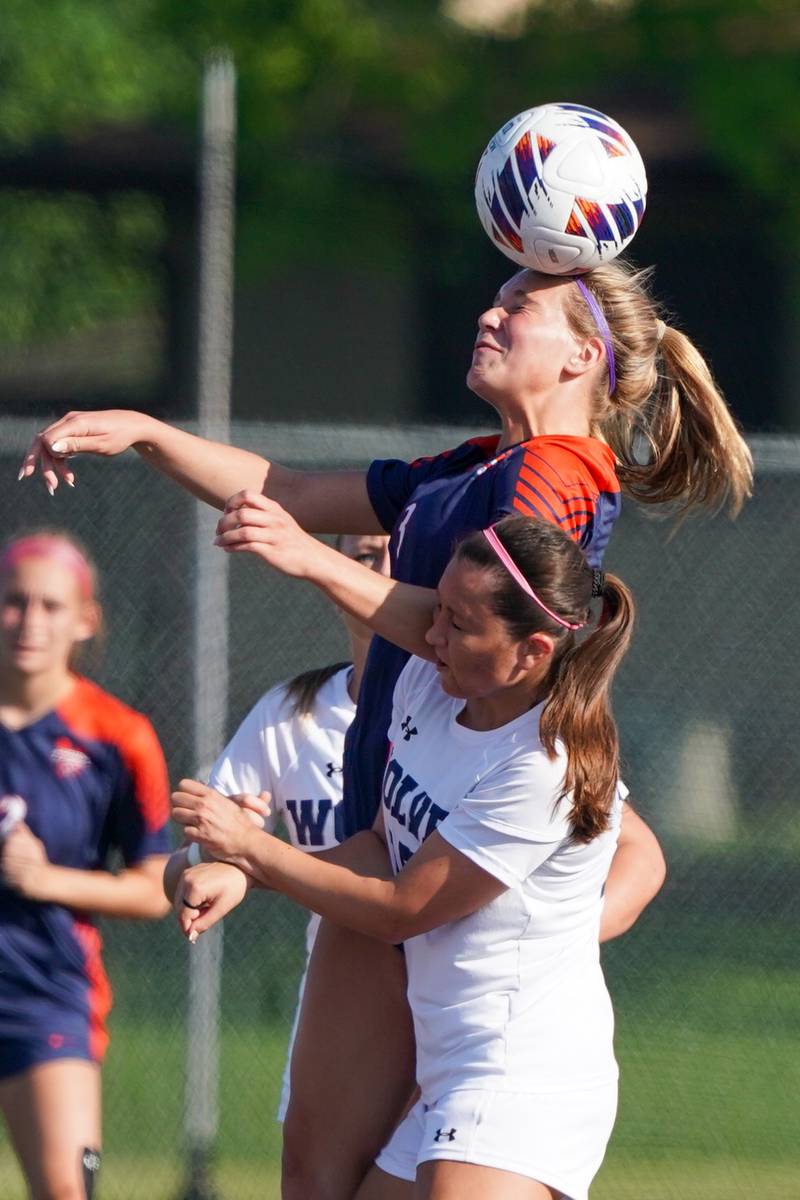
{"points": [[400, 612], [637, 873], [325, 501], [438, 885], [211, 888]]}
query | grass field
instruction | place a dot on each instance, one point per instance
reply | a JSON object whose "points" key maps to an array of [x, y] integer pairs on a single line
{"points": [[708, 1017]]}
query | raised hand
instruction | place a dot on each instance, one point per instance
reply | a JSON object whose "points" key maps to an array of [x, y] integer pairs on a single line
{"points": [[106, 433]]}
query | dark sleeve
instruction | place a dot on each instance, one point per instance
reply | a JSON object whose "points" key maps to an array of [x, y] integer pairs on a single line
{"points": [[391, 483], [139, 821]]}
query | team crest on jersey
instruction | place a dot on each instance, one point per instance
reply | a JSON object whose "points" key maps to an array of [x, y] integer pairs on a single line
{"points": [[68, 759]]}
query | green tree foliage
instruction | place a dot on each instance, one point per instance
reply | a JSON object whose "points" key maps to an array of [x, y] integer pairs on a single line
{"points": [[69, 261]]}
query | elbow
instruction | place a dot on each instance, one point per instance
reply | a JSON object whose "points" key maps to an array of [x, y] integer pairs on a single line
{"points": [[623, 909], [399, 925], [658, 874], [390, 930]]}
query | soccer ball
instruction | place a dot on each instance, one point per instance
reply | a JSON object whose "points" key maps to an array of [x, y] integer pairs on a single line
{"points": [[561, 188]]}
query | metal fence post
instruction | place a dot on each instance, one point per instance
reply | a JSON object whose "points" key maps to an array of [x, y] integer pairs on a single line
{"points": [[210, 632]]}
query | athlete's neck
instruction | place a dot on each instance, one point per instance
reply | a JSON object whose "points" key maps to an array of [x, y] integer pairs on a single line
{"points": [[491, 712], [24, 698], [557, 416]]}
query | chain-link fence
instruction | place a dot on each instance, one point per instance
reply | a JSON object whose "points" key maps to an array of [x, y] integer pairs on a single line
{"points": [[706, 988]]}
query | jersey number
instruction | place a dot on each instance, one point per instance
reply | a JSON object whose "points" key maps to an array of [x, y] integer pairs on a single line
{"points": [[401, 528]]}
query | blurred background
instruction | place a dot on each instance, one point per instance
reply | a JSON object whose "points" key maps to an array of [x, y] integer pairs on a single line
{"points": [[360, 268]]}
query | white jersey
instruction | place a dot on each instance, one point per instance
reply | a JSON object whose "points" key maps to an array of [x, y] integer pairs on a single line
{"points": [[511, 997], [297, 759]]}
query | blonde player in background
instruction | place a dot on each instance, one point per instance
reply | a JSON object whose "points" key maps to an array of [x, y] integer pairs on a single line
{"points": [[499, 815], [93, 780]]}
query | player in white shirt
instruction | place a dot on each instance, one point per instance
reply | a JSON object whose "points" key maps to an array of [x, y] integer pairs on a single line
{"points": [[284, 762], [498, 822]]}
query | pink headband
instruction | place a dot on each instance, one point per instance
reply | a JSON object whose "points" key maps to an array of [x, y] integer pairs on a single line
{"points": [[48, 545], [518, 577]]}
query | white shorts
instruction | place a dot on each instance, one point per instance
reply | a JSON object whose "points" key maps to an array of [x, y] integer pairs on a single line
{"points": [[558, 1139]]}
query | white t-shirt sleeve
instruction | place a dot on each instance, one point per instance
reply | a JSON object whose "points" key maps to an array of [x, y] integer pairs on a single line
{"points": [[245, 764], [512, 820]]}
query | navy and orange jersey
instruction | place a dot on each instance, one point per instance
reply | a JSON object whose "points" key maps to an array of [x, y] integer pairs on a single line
{"points": [[94, 779], [432, 503]]}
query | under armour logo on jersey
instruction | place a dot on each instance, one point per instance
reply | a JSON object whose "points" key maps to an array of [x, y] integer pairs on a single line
{"points": [[332, 769], [408, 732], [68, 759], [450, 1134]]}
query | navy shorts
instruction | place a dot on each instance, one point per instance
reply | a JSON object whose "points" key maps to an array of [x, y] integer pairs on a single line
{"points": [[32, 1047]]}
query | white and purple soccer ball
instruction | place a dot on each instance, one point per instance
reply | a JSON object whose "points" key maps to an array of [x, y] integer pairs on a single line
{"points": [[561, 188]]}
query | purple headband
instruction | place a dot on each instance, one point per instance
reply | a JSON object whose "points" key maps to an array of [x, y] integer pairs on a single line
{"points": [[518, 577], [604, 331]]}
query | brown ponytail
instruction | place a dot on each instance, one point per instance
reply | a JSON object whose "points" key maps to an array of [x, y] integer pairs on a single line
{"points": [[665, 402], [577, 711]]}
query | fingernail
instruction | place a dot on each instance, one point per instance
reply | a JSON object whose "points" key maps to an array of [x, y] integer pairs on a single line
{"points": [[70, 482], [58, 447], [193, 937], [21, 474], [50, 489]]}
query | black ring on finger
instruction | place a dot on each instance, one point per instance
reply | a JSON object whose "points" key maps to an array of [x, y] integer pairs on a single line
{"points": [[189, 905]]}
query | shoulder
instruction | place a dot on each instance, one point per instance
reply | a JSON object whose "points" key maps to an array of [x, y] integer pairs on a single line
{"points": [[466, 453], [93, 713], [418, 677], [327, 697], [515, 754], [520, 788], [333, 700], [271, 707], [584, 458]]}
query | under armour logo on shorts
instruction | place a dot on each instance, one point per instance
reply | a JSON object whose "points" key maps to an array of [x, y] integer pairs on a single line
{"points": [[332, 769], [441, 1134], [408, 732]]}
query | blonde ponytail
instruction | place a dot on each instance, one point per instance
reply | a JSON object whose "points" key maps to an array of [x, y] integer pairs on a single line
{"points": [[667, 421]]}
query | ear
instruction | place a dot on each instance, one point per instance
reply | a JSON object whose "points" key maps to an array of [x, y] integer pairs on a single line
{"points": [[89, 622], [586, 356], [536, 650]]}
